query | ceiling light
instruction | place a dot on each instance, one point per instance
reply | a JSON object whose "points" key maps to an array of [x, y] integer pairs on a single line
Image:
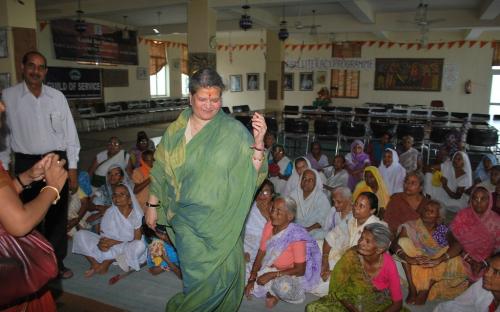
{"points": [[80, 25], [283, 33], [156, 31], [245, 20], [125, 33]]}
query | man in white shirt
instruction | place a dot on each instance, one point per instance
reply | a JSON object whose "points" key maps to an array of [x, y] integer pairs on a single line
{"points": [[482, 296], [40, 122]]}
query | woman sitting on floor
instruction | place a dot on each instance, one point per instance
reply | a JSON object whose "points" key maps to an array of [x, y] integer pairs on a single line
{"points": [[280, 168], [356, 161], [406, 206], [337, 175], [142, 144], [288, 261], [373, 183], [365, 278], [316, 157], [483, 170], [114, 154], [376, 148], [410, 158], [299, 165], [392, 172], [259, 215], [313, 206], [337, 242], [119, 239], [449, 190], [431, 272], [475, 231]]}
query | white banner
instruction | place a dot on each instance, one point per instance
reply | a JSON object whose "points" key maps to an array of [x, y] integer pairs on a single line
{"points": [[313, 64]]}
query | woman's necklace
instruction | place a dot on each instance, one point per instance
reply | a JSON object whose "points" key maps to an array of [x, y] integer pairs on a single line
{"points": [[372, 271]]}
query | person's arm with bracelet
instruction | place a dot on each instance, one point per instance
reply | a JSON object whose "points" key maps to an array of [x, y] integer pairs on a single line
{"points": [[257, 264], [18, 218], [259, 129]]}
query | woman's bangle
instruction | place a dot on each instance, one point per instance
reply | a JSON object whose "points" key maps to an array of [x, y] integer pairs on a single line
{"points": [[251, 280], [398, 252], [258, 149], [149, 205], [55, 190], [258, 159], [25, 187]]}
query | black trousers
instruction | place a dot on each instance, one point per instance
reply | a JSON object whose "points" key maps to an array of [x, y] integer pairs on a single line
{"points": [[53, 226]]}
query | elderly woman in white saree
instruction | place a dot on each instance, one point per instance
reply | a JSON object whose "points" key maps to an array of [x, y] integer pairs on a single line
{"points": [[120, 237], [257, 218], [455, 179], [313, 206], [299, 165], [392, 172], [114, 154]]}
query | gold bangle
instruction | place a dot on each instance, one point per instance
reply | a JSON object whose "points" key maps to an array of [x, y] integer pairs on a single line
{"points": [[55, 190], [258, 159]]}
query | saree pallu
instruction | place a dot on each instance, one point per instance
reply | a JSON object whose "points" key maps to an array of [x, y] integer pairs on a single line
{"points": [[450, 276], [350, 283], [206, 188]]}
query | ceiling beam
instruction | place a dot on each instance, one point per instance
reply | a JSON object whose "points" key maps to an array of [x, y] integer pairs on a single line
{"points": [[361, 10], [489, 9], [259, 16], [473, 34]]}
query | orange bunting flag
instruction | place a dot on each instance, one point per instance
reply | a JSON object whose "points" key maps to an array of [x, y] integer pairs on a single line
{"points": [[451, 44], [430, 45], [219, 47], [493, 44], [248, 46], [483, 43], [390, 44], [140, 39], [419, 46], [240, 46], [311, 46], [409, 46], [401, 44], [168, 44], [226, 48], [255, 46], [381, 44], [319, 46], [43, 24], [370, 43], [302, 46], [328, 45], [287, 46], [461, 43], [295, 46], [472, 43], [362, 43], [440, 45]]}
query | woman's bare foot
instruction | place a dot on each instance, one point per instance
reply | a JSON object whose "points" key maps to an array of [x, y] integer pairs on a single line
{"points": [[104, 267], [155, 270], [89, 273], [424, 294], [271, 301]]}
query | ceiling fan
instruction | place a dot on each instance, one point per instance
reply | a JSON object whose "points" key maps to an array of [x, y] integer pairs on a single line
{"points": [[422, 21], [313, 27]]}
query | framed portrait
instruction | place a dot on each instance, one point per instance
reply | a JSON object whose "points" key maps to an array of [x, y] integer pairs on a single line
{"points": [[4, 81], [408, 74], [306, 81], [288, 82], [320, 77], [235, 83], [253, 82], [4, 51]]}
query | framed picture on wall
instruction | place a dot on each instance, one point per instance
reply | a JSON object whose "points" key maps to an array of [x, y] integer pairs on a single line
{"points": [[235, 83], [4, 51], [320, 77], [306, 81], [4, 81], [253, 82], [288, 82]]}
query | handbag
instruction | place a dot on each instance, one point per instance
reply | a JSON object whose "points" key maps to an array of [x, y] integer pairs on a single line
{"points": [[26, 264]]}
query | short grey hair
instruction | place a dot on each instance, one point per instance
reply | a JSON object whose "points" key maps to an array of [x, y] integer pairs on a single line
{"points": [[416, 174], [381, 233], [290, 204], [343, 191]]}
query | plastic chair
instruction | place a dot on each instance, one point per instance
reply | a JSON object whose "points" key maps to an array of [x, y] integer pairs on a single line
{"points": [[326, 130], [296, 129]]}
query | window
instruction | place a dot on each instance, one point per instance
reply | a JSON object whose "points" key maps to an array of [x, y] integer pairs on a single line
{"points": [[495, 81], [345, 83], [158, 82], [158, 69], [185, 84]]}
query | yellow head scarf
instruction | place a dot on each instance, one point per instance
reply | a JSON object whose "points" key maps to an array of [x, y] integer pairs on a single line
{"points": [[382, 193]]}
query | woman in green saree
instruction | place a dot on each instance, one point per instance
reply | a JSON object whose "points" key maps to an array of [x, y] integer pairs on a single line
{"points": [[207, 170], [365, 279]]}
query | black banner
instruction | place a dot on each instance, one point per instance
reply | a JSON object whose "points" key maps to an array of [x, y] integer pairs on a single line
{"points": [[93, 43], [75, 83]]}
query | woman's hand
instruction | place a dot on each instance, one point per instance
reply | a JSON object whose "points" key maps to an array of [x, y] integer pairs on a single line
{"points": [[259, 129], [265, 278], [54, 172], [151, 217], [444, 181], [325, 269]]}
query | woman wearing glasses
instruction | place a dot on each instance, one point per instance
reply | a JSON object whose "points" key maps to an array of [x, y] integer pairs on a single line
{"points": [[119, 239], [258, 217]]}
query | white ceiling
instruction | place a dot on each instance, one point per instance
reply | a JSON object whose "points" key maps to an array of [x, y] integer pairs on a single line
{"points": [[375, 17]]}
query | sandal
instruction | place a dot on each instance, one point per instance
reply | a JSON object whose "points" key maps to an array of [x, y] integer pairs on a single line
{"points": [[65, 273]]}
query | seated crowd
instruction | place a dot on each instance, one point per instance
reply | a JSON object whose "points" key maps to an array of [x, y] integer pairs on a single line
{"points": [[351, 231]]}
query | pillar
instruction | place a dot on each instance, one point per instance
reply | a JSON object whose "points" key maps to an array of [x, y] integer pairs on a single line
{"points": [[201, 35], [274, 72]]}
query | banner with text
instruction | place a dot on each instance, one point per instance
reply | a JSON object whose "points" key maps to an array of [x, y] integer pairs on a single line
{"points": [[312, 64], [75, 83], [93, 43]]}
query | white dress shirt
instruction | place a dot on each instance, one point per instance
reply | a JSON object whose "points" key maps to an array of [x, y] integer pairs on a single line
{"points": [[40, 125], [474, 299]]}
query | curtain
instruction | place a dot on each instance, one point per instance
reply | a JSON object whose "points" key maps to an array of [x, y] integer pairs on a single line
{"points": [[496, 54], [184, 61], [157, 57]]}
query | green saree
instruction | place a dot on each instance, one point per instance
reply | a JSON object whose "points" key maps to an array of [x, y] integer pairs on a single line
{"points": [[349, 282], [205, 189]]}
